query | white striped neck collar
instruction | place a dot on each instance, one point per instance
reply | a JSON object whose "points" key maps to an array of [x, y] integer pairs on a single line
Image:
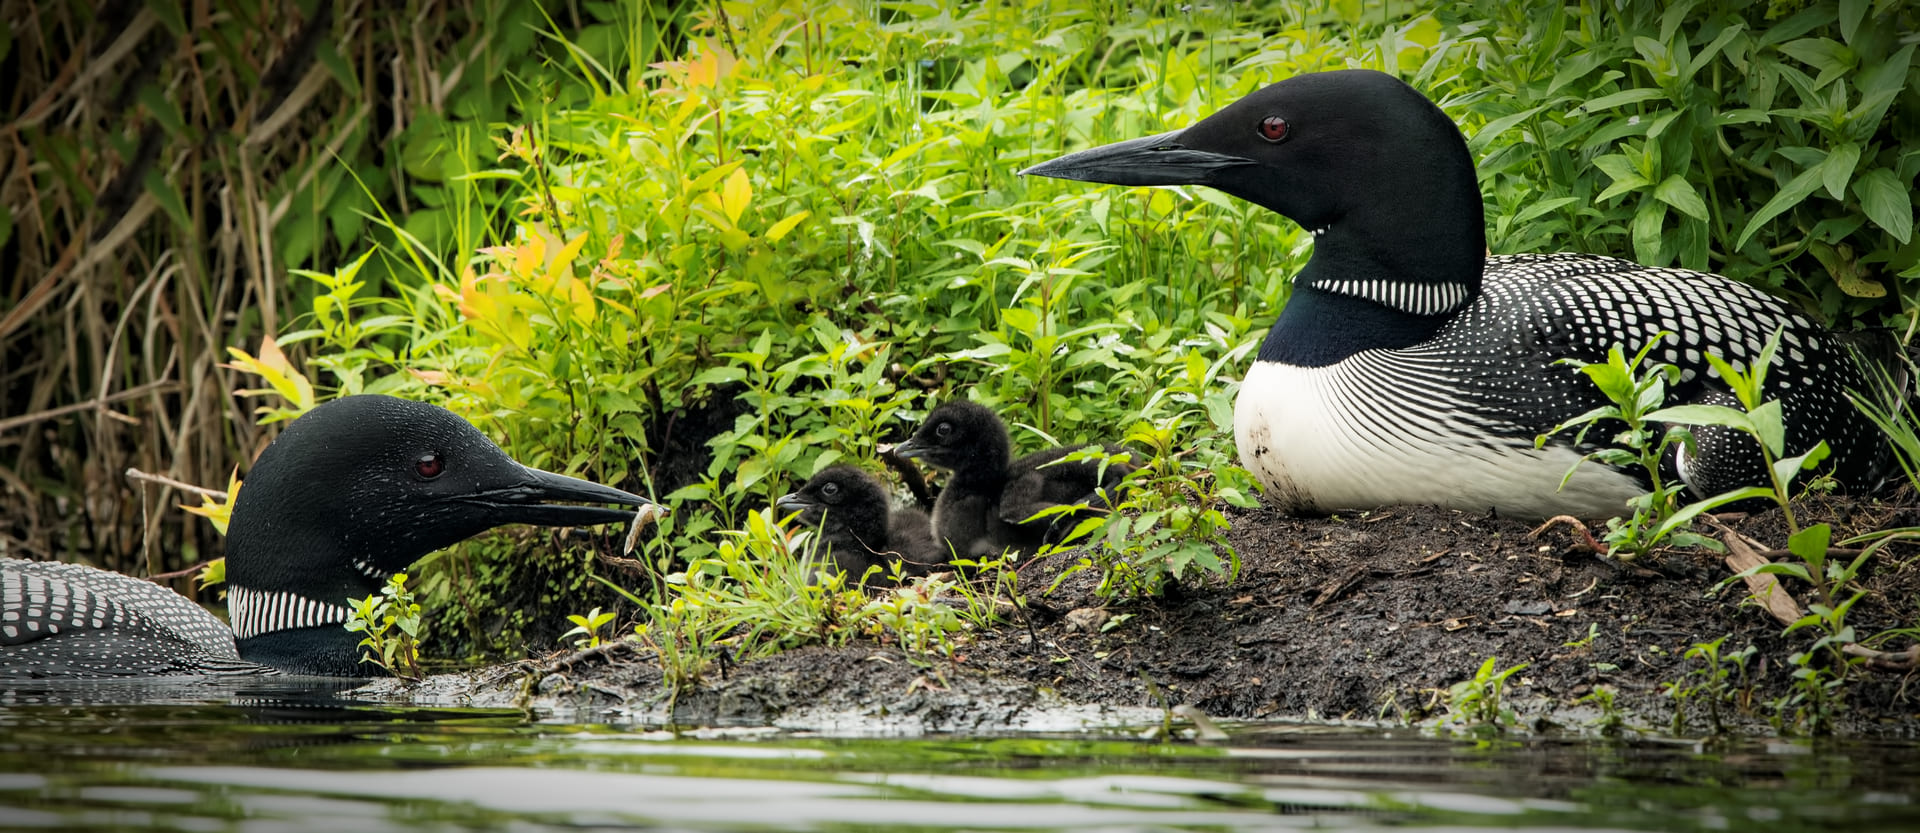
{"points": [[255, 612], [1417, 298]]}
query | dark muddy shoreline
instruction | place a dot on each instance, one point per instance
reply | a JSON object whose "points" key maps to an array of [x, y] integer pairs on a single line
{"points": [[1364, 618]]}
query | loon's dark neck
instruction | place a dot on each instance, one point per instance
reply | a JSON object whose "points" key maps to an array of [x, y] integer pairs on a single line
{"points": [[322, 650], [295, 621], [1319, 328], [1374, 285]]}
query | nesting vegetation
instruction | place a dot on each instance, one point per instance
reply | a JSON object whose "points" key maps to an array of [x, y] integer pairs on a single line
{"points": [[706, 250]]}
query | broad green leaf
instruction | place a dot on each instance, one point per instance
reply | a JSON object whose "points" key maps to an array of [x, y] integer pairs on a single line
{"points": [[1648, 222], [1789, 196], [1838, 169], [1828, 56], [735, 195], [1692, 510], [1810, 545], [1851, 13], [1769, 426], [1622, 98], [1886, 203], [1703, 415], [719, 375], [1494, 128], [780, 229], [1677, 192], [1785, 469]]}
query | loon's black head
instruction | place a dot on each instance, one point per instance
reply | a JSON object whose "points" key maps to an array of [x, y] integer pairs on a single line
{"points": [[1357, 157], [359, 488], [964, 438], [841, 500]]}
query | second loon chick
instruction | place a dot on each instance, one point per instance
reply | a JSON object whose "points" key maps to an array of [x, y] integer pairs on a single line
{"points": [[858, 526], [1409, 367], [349, 494], [989, 502]]}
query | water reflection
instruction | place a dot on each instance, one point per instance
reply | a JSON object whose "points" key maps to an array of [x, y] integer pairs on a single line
{"points": [[253, 756]]}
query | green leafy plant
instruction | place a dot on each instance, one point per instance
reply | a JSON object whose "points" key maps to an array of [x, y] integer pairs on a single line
{"points": [[1635, 392], [1719, 680], [390, 622], [588, 626], [1479, 701], [1611, 720], [1172, 524]]}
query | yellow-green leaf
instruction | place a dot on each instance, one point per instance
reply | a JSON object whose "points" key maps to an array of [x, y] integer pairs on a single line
{"points": [[735, 195], [781, 228]]}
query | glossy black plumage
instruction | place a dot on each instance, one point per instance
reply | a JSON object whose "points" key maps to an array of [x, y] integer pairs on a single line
{"points": [[860, 528], [350, 493], [989, 502], [1408, 367]]}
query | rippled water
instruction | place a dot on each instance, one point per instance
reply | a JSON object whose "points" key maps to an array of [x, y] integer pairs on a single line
{"points": [[262, 757]]}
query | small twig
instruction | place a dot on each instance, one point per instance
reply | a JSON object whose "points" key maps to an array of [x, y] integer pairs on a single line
{"points": [[11, 423], [1586, 536], [1906, 660], [141, 476], [1339, 586], [603, 650], [910, 475], [162, 578], [1743, 555]]}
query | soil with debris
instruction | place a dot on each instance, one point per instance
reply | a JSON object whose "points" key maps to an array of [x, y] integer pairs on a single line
{"points": [[1365, 617]]}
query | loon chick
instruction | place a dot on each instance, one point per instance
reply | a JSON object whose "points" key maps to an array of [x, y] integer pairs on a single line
{"points": [[1410, 367], [988, 504], [349, 494], [856, 526]]}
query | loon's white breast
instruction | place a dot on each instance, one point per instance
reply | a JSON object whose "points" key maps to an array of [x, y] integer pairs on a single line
{"points": [[1328, 438]]}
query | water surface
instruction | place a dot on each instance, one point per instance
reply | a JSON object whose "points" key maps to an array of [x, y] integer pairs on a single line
{"points": [[267, 756]]}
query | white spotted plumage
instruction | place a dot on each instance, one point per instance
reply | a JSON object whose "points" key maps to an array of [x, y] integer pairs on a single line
{"points": [[110, 624], [1463, 408]]}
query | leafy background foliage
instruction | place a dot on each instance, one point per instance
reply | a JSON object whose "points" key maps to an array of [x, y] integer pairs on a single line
{"points": [[704, 250]]}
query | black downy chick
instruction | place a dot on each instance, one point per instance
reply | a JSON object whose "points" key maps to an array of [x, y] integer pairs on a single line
{"points": [[989, 503], [858, 527], [349, 494]]}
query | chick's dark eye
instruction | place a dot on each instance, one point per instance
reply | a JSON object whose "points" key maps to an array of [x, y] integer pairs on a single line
{"points": [[1273, 129], [830, 490], [429, 466], [943, 429]]}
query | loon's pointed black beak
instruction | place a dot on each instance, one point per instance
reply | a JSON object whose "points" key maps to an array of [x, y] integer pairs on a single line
{"points": [[536, 501], [906, 449], [1154, 160], [791, 502]]}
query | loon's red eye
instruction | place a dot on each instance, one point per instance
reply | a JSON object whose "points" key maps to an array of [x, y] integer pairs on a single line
{"points": [[1273, 129], [429, 466]]}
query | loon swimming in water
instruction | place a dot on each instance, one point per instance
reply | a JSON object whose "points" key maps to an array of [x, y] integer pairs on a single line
{"points": [[1410, 367], [349, 494]]}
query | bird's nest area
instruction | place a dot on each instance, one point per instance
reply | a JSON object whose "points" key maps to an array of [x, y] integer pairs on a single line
{"points": [[1365, 617]]}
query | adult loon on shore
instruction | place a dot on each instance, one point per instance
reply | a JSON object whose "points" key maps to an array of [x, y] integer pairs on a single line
{"points": [[349, 494], [987, 504], [1409, 367]]}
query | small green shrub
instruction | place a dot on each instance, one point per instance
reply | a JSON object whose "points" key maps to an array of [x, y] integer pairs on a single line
{"points": [[1478, 702], [391, 622]]}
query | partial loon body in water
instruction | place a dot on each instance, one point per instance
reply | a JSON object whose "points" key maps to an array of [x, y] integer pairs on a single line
{"points": [[1409, 367], [348, 495]]}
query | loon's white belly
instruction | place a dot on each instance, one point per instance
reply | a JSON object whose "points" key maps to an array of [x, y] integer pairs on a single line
{"points": [[1323, 439]]}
